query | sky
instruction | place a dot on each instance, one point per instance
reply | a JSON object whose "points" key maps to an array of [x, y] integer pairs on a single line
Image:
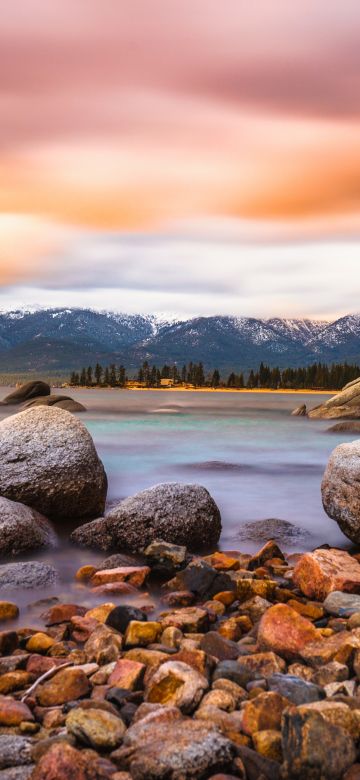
{"points": [[181, 157]]}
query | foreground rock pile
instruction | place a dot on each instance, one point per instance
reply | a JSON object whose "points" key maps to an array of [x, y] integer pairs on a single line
{"points": [[246, 667]]}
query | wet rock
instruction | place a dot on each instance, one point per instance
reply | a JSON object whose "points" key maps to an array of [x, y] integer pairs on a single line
{"points": [[164, 557], [101, 730], [120, 617], [8, 611], [63, 762], [67, 685], [134, 575], [201, 579], [101, 612], [180, 514], [284, 631], [313, 747], [48, 461], [281, 531], [295, 689], [25, 392], [127, 674], [59, 401], [342, 604], [22, 529], [12, 712], [322, 571], [340, 488], [61, 613], [269, 550], [347, 426], [178, 750], [40, 643], [103, 646], [299, 411], [177, 684], [30, 574], [263, 712]]}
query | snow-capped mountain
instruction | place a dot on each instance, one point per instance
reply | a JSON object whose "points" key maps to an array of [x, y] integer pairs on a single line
{"points": [[59, 340]]}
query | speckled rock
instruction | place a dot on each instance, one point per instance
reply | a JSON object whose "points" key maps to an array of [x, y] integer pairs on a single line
{"points": [[171, 512], [27, 575], [101, 730], [60, 401], [48, 461], [14, 751], [22, 528], [340, 488], [175, 749]]}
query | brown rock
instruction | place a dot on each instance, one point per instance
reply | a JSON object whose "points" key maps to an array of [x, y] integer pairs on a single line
{"points": [[339, 647], [267, 552], [322, 571], [314, 748], [82, 628], [263, 713], [8, 642], [115, 588], [61, 613], [67, 685], [134, 575], [188, 619], [337, 713], [177, 684], [309, 610], [222, 562], [63, 762], [101, 612], [103, 646], [127, 674], [141, 633], [260, 665], [14, 681], [216, 645], [8, 611], [268, 744], [40, 643], [85, 573], [285, 632]]}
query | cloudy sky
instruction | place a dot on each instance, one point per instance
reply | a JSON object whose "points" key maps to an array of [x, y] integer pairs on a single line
{"points": [[181, 156]]}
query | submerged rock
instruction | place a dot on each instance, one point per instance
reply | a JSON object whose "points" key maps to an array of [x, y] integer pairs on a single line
{"points": [[340, 488], [171, 512], [273, 528], [48, 461], [28, 574], [27, 391], [322, 571], [60, 401], [300, 411], [349, 426], [22, 528]]}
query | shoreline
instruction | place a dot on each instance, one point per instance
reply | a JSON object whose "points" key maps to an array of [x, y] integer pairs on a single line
{"points": [[280, 391]]}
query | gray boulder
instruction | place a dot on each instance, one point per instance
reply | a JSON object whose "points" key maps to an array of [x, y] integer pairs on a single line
{"points": [[340, 488], [60, 401], [22, 528], [342, 604], [14, 750], [344, 404], [25, 575], [48, 461], [26, 391], [171, 512]]}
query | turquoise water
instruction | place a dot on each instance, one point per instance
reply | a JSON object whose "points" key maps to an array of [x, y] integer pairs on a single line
{"points": [[255, 459]]}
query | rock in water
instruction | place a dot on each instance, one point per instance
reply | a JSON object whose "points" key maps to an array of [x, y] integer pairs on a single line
{"points": [[344, 404], [348, 426], [25, 392], [30, 574], [300, 411], [48, 461], [60, 401], [171, 512], [22, 528], [340, 488]]}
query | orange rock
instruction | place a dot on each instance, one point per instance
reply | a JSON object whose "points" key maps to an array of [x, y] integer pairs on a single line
{"points": [[267, 552], [66, 685], [284, 631], [309, 610], [127, 674], [262, 664], [12, 712], [14, 681], [263, 713], [63, 762], [339, 647], [227, 597], [85, 573], [61, 613], [322, 571], [222, 562], [122, 588], [135, 575]]}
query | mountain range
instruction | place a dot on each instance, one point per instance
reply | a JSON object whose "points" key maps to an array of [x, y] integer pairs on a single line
{"points": [[57, 341]]}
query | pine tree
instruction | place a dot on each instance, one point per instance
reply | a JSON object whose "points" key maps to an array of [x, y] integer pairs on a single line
{"points": [[106, 377], [83, 377], [98, 373], [215, 380], [121, 376]]}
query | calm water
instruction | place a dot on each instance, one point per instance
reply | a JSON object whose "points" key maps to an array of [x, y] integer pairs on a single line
{"points": [[255, 459]]}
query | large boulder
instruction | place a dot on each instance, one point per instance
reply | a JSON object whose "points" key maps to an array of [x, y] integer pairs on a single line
{"points": [[320, 572], [22, 528], [48, 461], [344, 404], [26, 391], [60, 401], [171, 512], [340, 488]]}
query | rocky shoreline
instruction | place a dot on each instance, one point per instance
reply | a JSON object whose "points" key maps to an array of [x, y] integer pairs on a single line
{"points": [[191, 664]]}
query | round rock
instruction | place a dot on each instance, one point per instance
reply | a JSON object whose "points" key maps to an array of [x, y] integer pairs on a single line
{"points": [[60, 401], [25, 392], [22, 528], [48, 461], [171, 512], [340, 488]]}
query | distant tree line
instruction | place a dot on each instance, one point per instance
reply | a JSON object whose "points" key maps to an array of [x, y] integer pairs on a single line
{"points": [[316, 376]]}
